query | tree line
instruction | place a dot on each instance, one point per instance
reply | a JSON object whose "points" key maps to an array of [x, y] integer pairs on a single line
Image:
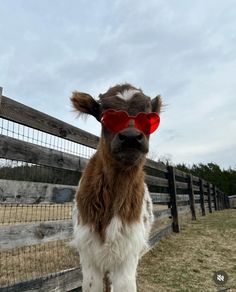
{"points": [[225, 180]]}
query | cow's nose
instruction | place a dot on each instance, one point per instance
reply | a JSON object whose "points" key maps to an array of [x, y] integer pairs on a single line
{"points": [[131, 138]]}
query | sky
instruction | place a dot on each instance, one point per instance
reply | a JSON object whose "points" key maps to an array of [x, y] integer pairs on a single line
{"points": [[184, 50]]}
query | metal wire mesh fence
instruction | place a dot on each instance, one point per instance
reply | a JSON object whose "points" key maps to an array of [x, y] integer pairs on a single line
{"points": [[27, 134], [24, 207], [34, 261], [23, 213]]}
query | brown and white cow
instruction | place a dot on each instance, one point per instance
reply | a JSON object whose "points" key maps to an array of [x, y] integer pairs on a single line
{"points": [[113, 213]]}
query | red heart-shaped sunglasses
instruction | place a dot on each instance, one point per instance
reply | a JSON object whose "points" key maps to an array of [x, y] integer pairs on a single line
{"points": [[116, 121]]}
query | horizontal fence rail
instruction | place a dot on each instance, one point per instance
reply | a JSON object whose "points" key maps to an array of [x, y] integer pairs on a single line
{"points": [[232, 201], [41, 161]]}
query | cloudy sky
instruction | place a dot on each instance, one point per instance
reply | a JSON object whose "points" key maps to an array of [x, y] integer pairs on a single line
{"points": [[184, 50]]}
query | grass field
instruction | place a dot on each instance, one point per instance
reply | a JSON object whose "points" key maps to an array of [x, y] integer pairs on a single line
{"points": [[188, 260]]}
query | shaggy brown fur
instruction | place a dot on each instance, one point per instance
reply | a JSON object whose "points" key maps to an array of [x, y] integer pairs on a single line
{"points": [[107, 189]]}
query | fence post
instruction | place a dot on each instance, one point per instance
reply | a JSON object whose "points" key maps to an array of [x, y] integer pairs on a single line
{"points": [[220, 195], [218, 199], [202, 197], [173, 200], [215, 199], [191, 197], [209, 196], [228, 202], [225, 203]]}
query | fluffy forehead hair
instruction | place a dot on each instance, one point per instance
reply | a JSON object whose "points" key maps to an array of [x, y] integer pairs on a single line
{"points": [[125, 97], [115, 90]]}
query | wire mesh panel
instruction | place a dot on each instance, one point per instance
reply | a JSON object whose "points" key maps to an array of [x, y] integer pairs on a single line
{"points": [[36, 201], [27, 134], [35, 261], [24, 213]]}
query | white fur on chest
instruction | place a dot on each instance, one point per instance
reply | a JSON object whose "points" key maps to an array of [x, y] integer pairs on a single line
{"points": [[119, 243], [123, 242]]}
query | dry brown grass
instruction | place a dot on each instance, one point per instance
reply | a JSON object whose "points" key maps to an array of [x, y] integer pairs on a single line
{"points": [[188, 260]]}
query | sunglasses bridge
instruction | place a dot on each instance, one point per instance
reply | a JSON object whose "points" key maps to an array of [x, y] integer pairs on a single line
{"points": [[116, 121]]}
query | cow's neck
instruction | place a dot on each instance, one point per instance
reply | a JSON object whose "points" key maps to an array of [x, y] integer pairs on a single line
{"points": [[107, 189]]}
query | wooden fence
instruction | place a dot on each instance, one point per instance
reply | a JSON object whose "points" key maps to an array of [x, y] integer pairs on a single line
{"points": [[232, 201], [180, 193]]}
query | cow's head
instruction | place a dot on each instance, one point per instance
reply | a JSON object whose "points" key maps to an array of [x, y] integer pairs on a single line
{"points": [[127, 116]]}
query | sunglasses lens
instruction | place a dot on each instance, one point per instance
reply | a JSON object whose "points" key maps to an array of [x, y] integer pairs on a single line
{"points": [[147, 123], [115, 121]]}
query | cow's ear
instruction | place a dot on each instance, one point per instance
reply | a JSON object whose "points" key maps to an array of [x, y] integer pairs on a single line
{"points": [[156, 104], [85, 104]]}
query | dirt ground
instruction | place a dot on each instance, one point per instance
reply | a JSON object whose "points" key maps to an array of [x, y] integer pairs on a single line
{"points": [[187, 261]]}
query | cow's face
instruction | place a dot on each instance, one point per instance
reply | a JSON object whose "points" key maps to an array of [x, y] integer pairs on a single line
{"points": [[127, 116]]}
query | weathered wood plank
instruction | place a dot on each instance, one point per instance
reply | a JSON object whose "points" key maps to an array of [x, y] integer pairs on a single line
{"points": [[180, 173], [156, 165], [159, 235], [15, 149], [231, 202], [12, 110], [196, 197], [162, 213], [26, 192], [156, 181], [62, 282], [18, 235], [205, 184], [196, 188], [195, 179], [182, 198], [181, 185], [160, 198]]}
